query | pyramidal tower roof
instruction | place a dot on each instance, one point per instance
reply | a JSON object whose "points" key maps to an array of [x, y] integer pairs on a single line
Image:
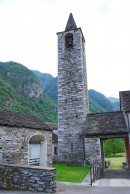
{"points": [[71, 25]]}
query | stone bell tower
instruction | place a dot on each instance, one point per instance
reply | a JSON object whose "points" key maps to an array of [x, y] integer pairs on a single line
{"points": [[72, 93]]}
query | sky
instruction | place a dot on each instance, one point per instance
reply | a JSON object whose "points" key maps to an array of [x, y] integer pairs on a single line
{"points": [[28, 36]]}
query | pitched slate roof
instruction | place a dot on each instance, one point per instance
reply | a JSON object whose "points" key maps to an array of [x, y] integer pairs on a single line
{"points": [[12, 118], [71, 25], [105, 124], [125, 100], [52, 125]]}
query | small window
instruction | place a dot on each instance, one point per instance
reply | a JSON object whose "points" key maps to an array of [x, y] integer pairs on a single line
{"points": [[71, 147], [69, 40], [55, 150]]}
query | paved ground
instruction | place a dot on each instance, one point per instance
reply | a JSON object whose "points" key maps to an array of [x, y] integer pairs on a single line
{"points": [[115, 178], [112, 183], [73, 189], [117, 173], [104, 186], [115, 182]]}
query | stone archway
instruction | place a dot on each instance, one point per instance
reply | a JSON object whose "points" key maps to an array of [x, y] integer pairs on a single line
{"points": [[37, 153]]}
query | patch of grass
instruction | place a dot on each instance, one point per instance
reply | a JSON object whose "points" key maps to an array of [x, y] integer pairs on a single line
{"points": [[74, 174], [117, 155], [116, 161]]}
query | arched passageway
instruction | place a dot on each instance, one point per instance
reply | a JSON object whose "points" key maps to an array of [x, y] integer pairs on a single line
{"points": [[113, 152], [37, 150], [104, 126], [126, 148]]}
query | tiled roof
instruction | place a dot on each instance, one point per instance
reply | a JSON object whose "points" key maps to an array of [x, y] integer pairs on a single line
{"points": [[52, 125], [105, 123], [12, 118]]}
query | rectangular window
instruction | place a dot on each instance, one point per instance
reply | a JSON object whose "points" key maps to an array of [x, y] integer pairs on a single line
{"points": [[71, 148], [55, 150]]}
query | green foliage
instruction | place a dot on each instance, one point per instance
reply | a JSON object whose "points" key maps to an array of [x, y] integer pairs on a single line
{"points": [[15, 79], [48, 83], [113, 146], [101, 100], [18, 76], [94, 107], [71, 173]]}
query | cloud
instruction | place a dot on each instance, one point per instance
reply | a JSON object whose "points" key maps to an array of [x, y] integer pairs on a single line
{"points": [[28, 35]]}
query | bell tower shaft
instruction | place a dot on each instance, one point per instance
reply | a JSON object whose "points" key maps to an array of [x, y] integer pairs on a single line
{"points": [[72, 93]]}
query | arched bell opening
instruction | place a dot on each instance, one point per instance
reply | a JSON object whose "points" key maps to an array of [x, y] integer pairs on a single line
{"points": [[69, 40], [37, 151]]}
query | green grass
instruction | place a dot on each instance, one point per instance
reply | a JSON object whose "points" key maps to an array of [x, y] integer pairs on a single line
{"points": [[116, 160], [74, 174], [117, 155]]}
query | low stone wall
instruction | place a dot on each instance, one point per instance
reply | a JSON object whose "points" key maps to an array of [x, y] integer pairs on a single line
{"points": [[28, 178]]}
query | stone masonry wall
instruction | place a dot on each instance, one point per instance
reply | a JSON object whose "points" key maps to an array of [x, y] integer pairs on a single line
{"points": [[14, 143], [72, 97], [28, 178], [92, 150]]}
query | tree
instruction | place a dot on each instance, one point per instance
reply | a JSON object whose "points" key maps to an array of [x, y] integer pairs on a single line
{"points": [[113, 146]]}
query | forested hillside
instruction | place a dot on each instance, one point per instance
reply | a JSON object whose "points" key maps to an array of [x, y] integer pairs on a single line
{"points": [[101, 100], [35, 93], [97, 101], [48, 83], [20, 90]]}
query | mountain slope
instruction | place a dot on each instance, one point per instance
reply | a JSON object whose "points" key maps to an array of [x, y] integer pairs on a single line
{"points": [[20, 90], [21, 79], [48, 83], [115, 102], [101, 100], [113, 99], [97, 101], [94, 107]]}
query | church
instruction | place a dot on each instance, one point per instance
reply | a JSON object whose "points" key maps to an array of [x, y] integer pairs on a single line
{"points": [[80, 133]]}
